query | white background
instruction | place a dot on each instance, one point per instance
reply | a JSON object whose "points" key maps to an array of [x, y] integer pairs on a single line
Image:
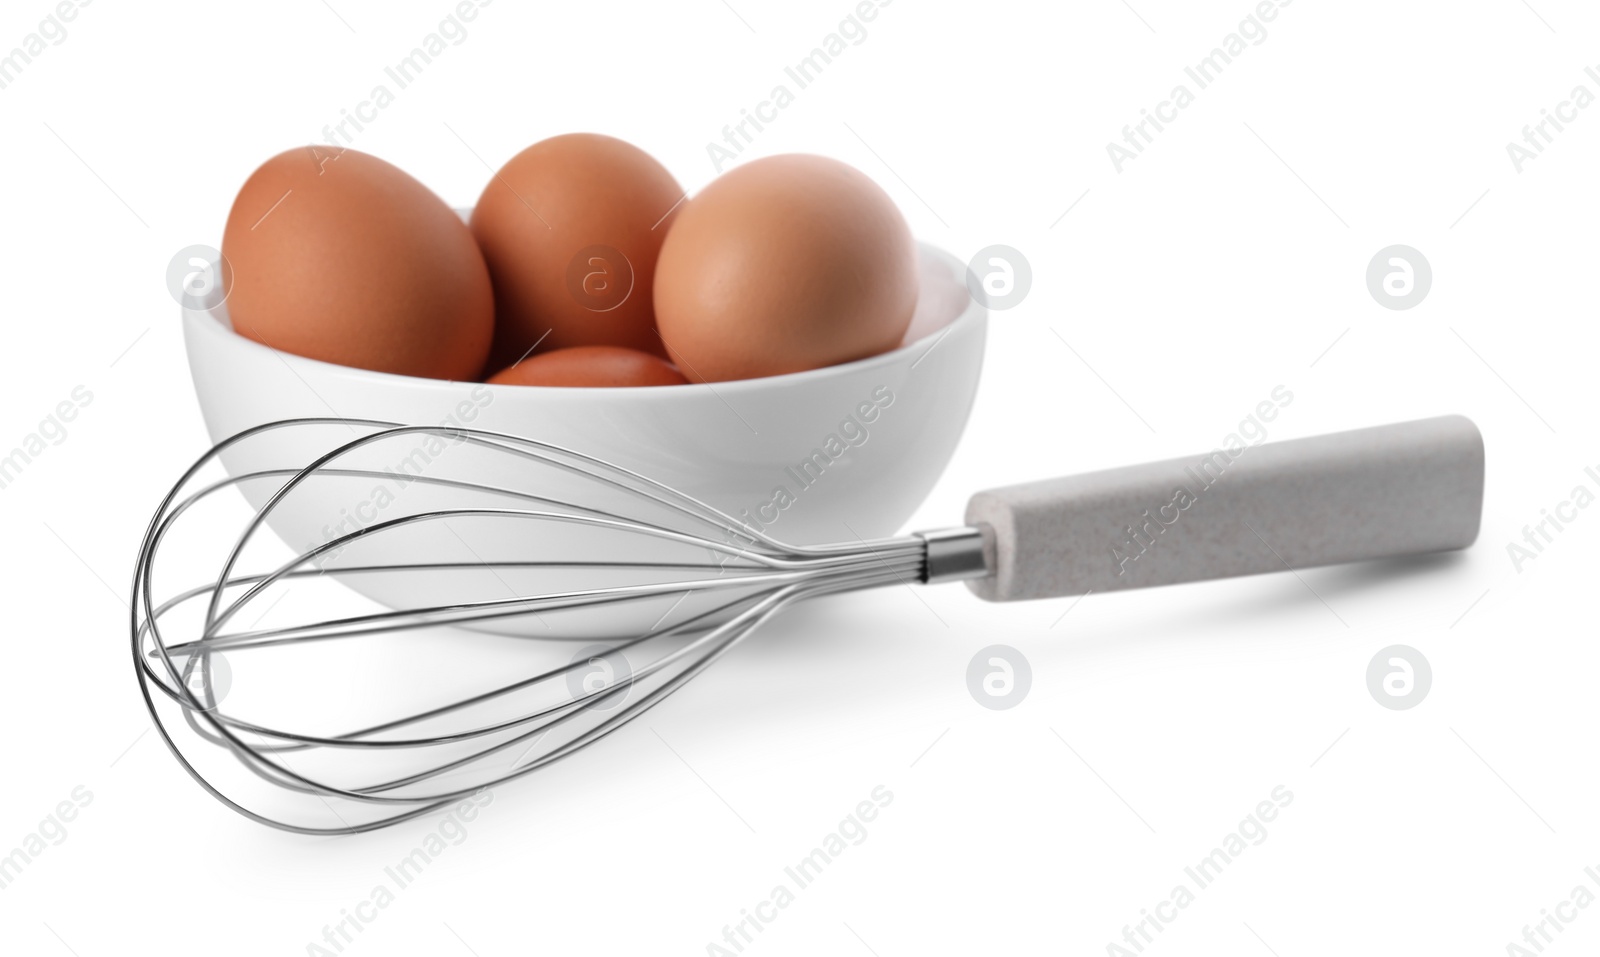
{"points": [[1228, 259]]}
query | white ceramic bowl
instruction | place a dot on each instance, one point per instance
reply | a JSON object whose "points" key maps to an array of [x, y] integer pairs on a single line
{"points": [[732, 445]]}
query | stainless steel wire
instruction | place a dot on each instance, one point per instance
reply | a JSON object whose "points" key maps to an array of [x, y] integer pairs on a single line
{"points": [[405, 724]]}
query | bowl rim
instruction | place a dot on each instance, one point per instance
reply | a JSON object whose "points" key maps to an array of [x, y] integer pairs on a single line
{"points": [[973, 313]]}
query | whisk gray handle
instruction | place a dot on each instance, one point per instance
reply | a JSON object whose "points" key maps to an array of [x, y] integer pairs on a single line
{"points": [[1402, 489]]}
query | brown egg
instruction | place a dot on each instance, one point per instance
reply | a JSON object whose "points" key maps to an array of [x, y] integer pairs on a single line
{"points": [[339, 256], [783, 264], [571, 228], [591, 366]]}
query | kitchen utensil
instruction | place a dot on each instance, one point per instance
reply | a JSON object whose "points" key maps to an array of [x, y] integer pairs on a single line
{"points": [[355, 716]]}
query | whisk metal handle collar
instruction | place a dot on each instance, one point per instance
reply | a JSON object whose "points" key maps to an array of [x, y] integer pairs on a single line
{"points": [[954, 554]]}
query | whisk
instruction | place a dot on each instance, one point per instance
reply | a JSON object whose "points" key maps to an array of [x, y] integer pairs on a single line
{"points": [[422, 649]]}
